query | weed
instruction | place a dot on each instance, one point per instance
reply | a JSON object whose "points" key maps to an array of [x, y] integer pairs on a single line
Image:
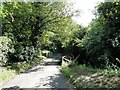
{"points": [[82, 76]]}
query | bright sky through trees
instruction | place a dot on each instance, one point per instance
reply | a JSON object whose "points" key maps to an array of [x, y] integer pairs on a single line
{"points": [[86, 8]]}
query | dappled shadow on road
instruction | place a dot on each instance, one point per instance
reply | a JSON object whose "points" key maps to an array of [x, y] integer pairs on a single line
{"points": [[56, 80], [51, 79], [46, 77], [18, 88], [33, 69], [56, 60], [12, 88]]}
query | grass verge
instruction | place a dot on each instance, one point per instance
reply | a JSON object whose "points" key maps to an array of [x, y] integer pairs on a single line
{"points": [[10, 71], [86, 77], [6, 75]]}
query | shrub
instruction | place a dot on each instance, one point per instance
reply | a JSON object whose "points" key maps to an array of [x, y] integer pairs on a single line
{"points": [[5, 47]]}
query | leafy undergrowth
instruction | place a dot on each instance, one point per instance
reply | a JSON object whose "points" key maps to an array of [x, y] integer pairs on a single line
{"points": [[15, 68], [87, 77], [22, 66]]}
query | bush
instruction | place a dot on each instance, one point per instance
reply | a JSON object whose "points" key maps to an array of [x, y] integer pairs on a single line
{"points": [[100, 51], [22, 54], [5, 47]]}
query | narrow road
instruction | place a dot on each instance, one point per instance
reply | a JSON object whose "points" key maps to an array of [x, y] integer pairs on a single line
{"points": [[39, 76]]}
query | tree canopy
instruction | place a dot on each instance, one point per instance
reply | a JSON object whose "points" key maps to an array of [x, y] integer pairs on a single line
{"points": [[35, 26]]}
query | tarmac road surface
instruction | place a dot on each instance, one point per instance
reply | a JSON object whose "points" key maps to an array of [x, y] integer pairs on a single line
{"points": [[39, 77]]}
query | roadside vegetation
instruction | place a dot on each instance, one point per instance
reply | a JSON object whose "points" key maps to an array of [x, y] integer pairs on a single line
{"points": [[98, 50], [81, 76], [6, 75], [30, 30]]}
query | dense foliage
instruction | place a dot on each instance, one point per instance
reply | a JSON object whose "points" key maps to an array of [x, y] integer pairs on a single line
{"points": [[33, 27], [107, 35], [102, 40], [5, 47]]}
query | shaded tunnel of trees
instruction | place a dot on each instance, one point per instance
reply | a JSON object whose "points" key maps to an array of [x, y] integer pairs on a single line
{"points": [[29, 28]]}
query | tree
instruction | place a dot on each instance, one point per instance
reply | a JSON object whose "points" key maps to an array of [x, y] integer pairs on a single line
{"points": [[103, 38], [27, 23]]}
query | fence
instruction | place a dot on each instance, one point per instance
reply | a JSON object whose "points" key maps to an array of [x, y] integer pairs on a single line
{"points": [[65, 61]]}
